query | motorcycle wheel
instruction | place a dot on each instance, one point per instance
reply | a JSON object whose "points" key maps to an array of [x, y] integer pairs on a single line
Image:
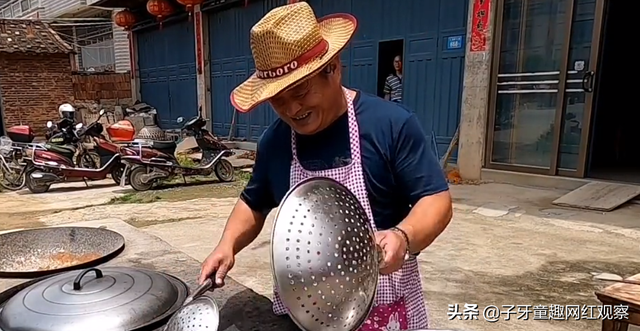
{"points": [[32, 185], [12, 179], [224, 170], [135, 179], [116, 174], [88, 160]]}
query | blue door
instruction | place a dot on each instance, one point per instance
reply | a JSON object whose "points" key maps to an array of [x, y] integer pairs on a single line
{"points": [[231, 64], [434, 33], [167, 66]]}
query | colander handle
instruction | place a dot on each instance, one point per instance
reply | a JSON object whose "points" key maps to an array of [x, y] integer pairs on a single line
{"points": [[198, 292], [380, 255]]}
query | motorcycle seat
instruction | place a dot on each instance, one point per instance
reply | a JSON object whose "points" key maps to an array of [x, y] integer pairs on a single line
{"points": [[164, 145], [63, 149]]}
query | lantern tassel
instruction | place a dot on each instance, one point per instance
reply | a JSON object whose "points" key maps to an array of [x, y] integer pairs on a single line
{"points": [[246, 3]]}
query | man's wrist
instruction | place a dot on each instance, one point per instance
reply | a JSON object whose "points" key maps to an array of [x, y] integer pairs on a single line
{"points": [[405, 237], [227, 245]]}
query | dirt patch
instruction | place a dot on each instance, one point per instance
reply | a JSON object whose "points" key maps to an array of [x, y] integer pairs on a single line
{"points": [[13, 221], [141, 223], [194, 188]]}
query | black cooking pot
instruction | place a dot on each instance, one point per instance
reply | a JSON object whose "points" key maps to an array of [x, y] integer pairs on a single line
{"points": [[105, 299]]}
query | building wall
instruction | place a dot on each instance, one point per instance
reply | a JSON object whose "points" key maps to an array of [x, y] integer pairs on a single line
{"points": [[32, 88], [54, 8], [121, 49]]}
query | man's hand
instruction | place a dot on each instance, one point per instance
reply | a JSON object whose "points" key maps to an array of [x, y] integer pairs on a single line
{"points": [[394, 247], [217, 265]]}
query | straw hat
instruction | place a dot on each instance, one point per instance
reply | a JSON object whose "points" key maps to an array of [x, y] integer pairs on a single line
{"points": [[290, 44]]}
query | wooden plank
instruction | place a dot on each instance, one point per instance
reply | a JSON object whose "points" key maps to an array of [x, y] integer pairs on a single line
{"points": [[627, 294], [454, 142], [599, 196]]}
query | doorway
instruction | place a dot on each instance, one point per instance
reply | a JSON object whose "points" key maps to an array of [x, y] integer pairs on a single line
{"points": [[387, 51], [614, 132]]}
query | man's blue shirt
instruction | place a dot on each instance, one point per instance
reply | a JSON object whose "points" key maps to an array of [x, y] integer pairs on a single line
{"points": [[399, 164]]}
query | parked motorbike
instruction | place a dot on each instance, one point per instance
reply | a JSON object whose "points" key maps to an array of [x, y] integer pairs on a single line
{"points": [[157, 162], [53, 164], [61, 137], [12, 166], [121, 136]]}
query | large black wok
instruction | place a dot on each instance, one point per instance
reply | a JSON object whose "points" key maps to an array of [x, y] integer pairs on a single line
{"points": [[38, 252]]}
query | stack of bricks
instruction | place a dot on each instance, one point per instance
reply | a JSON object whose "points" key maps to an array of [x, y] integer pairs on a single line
{"points": [[105, 89]]}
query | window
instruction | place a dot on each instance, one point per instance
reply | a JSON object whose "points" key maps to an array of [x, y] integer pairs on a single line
{"points": [[24, 5], [16, 10]]}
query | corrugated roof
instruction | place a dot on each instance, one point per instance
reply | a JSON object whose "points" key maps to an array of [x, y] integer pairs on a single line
{"points": [[30, 36]]}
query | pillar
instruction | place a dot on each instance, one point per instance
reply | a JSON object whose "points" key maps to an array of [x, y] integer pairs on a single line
{"points": [[133, 58], [475, 96], [201, 77]]}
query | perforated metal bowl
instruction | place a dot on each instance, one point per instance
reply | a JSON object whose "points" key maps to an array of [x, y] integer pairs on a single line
{"points": [[324, 256]]}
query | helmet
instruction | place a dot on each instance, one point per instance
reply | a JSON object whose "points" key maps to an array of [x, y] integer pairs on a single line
{"points": [[66, 111]]}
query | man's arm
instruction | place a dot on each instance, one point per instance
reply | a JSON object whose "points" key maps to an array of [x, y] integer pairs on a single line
{"points": [[418, 173], [248, 216], [387, 89]]}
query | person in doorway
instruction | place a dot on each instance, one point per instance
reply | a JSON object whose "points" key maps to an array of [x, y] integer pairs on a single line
{"points": [[393, 83], [376, 148]]}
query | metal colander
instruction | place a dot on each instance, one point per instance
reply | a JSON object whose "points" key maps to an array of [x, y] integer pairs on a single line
{"points": [[324, 256], [199, 312]]}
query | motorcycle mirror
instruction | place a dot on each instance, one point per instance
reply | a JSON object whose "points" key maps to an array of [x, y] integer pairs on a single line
{"points": [[49, 124], [180, 120], [78, 126], [101, 112]]}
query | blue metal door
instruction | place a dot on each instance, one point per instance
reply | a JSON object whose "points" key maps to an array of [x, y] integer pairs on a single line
{"points": [[167, 66], [434, 33], [231, 64]]}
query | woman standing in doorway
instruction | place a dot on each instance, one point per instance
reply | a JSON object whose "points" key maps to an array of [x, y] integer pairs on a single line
{"points": [[393, 84]]}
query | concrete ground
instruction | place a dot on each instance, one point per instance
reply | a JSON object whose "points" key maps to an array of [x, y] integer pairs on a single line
{"points": [[507, 245]]}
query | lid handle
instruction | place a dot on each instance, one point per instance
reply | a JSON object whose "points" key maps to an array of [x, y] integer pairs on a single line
{"points": [[76, 282]]}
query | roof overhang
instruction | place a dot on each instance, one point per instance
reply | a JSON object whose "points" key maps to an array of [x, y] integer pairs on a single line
{"points": [[119, 3]]}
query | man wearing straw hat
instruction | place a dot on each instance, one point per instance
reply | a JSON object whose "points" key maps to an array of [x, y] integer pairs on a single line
{"points": [[374, 147]]}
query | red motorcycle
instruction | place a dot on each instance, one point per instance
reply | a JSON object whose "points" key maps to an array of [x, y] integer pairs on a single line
{"points": [[49, 166]]}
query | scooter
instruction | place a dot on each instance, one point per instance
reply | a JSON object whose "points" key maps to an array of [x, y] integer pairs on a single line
{"points": [[12, 156], [145, 169], [12, 166], [62, 138], [47, 166], [15, 147]]}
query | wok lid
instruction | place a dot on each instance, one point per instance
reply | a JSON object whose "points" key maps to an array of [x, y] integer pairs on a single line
{"points": [[105, 299]]}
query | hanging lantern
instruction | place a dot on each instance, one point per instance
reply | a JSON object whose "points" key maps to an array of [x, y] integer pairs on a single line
{"points": [[190, 4], [124, 19], [161, 9]]}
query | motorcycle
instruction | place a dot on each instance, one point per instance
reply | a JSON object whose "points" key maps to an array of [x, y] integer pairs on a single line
{"points": [[62, 138], [12, 166], [157, 162], [53, 164]]}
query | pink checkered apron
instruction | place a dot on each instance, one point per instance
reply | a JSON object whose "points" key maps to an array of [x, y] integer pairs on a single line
{"points": [[399, 304]]}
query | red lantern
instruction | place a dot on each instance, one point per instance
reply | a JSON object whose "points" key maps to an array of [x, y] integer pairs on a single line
{"points": [[161, 9], [190, 4], [124, 19]]}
